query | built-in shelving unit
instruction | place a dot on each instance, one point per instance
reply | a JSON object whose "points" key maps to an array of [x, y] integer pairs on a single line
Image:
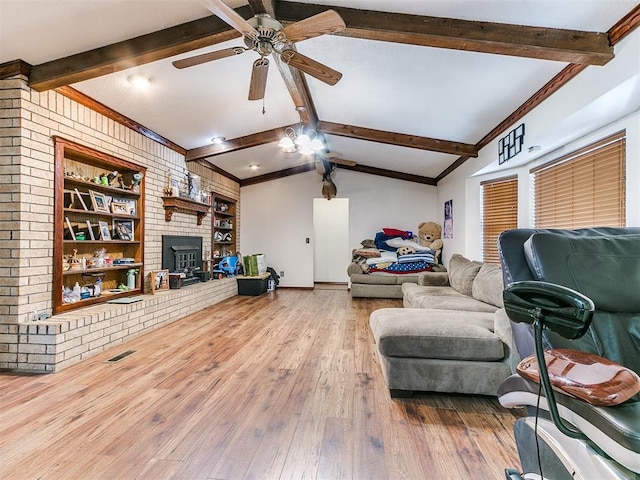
{"points": [[98, 225], [223, 228]]}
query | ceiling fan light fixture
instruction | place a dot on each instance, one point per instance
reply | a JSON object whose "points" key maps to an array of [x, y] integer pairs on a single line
{"points": [[306, 143], [316, 145], [286, 143], [306, 150], [303, 140]]}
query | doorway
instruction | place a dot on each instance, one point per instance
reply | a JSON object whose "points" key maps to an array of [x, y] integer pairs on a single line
{"points": [[331, 254]]}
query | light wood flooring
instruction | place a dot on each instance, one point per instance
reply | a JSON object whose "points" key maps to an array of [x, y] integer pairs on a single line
{"points": [[281, 386]]}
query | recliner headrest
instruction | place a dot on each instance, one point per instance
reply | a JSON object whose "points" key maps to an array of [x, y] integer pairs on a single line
{"points": [[606, 269]]}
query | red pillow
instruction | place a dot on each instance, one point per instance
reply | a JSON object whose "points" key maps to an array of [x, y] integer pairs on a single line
{"points": [[394, 232]]}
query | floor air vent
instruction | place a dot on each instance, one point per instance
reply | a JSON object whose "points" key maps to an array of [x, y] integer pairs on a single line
{"points": [[122, 356]]}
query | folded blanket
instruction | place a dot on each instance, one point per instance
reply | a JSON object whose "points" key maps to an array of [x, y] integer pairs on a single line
{"points": [[381, 242], [398, 242], [385, 257], [417, 257], [367, 252], [403, 268]]}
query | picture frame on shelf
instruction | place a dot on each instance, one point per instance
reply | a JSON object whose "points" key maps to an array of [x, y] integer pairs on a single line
{"points": [[90, 230], [131, 206], [120, 208], [105, 233], [71, 232], [99, 201], [159, 280], [123, 229], [84, 205]]}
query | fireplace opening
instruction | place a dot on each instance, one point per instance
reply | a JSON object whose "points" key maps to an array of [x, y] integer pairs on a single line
{"points": [[183, 254]]}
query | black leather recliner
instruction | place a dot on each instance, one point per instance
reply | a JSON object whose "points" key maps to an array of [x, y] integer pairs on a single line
{"points": [[604, 265]]}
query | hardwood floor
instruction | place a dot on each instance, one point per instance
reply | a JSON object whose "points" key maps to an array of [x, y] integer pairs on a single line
{"points": [[282, 386]]}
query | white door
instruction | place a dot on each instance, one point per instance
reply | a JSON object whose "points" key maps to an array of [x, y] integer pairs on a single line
{"points": [[331, 254]]}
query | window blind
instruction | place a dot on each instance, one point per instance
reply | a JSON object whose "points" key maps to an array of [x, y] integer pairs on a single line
{"points": [[583, 189], [499, 213]]}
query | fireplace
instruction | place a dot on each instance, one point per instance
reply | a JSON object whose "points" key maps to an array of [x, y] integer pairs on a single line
{"points": [[183, 254]]}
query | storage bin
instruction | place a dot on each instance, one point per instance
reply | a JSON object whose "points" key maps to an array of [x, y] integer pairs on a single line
{"points": [[253, 286]]}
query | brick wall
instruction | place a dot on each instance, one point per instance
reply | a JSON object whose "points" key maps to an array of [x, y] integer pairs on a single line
{"points": [[28, 120]]}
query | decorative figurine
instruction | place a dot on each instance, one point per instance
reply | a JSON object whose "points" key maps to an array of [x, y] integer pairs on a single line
{"points": [[135, 181]]}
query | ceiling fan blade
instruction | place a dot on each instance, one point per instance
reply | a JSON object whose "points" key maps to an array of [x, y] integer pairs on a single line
{"points": [[311, 67], [343, 161], [228, 15], [326, 22], [208, 57], [258, 82]]}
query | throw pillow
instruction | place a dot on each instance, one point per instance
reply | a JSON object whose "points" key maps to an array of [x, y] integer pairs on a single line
{"points": [[488, 285], [462, 272]]}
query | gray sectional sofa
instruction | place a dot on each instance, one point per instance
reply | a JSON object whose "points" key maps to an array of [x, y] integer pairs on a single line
{"points": [[452, 336]]}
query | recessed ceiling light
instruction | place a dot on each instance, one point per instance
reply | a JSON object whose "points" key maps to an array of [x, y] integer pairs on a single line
{"points": [[534, 148], [139, 81], [218, 140], [254, 166]]}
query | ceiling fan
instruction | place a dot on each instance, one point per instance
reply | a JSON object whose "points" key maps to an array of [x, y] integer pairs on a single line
{"points": [[267, 36], [326, 165]]}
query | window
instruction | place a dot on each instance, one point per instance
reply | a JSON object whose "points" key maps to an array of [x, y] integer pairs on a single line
{"points": [[583, 189], [499, 213]]}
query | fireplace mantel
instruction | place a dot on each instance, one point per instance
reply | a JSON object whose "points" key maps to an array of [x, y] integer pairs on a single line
{"points": [[172, 204]]}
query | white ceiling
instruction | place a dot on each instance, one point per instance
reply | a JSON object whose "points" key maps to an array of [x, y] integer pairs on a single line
{"points": [[437, 93]]}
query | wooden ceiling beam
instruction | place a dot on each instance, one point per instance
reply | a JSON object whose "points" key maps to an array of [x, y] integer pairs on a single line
{"points": [[235, 144], [287, 172], [383, 172], [120, 56], [398, 139], [572, 46]]}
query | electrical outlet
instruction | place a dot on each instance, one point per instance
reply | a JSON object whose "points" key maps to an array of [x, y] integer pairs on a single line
{"points": [[282, 273]]}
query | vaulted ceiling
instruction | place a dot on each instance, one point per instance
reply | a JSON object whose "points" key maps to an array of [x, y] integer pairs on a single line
{"points": [[425, 84]]}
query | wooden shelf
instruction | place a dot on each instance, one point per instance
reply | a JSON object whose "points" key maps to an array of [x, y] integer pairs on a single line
{"points": [[73, 164], [224, 211], [101, 214], [99, 187], [186, 205], [80, 271]]}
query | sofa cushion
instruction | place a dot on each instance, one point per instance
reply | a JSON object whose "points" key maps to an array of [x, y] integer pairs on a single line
{"points": [[416, 296], [462, 272], [414, 289], [446, 302], [488, 285], [433, 279], [435, 334]]}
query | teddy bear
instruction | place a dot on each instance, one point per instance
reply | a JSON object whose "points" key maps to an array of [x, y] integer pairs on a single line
{"points": [[429, 235]]}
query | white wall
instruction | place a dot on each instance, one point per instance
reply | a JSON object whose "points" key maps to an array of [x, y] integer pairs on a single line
{"points": [[598, 102], [277, 216]]}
